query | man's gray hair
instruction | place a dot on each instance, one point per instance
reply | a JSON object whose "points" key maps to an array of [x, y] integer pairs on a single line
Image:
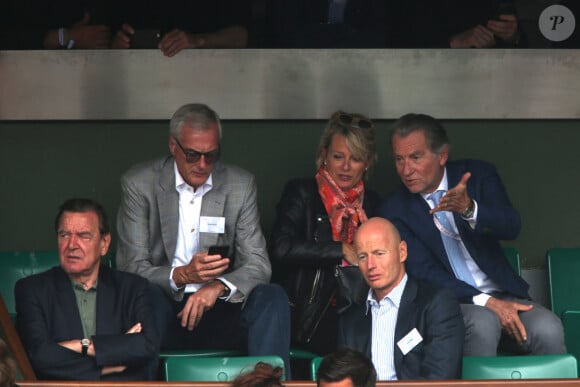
{"points": [[195, 115], [435, 134]]}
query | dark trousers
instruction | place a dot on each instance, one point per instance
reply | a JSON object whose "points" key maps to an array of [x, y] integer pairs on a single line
{"points": [[261, 327]]}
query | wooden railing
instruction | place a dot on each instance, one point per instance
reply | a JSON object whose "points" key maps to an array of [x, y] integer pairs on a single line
{"points": [[434, 383], [13, 340]]}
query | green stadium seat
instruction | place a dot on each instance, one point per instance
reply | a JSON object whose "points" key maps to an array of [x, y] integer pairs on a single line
{"points": [[513, 256], [314, 364], [213, 369], [16, 265], [520, 367], [563, 274], [200, 353], [296, 353]]}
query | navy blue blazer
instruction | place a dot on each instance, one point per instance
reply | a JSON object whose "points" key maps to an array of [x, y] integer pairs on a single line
{"points": [[496, 220], [435, 313], [47, 313]]}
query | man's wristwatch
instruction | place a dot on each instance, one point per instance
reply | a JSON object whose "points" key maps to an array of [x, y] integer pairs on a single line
{"points": [[469, 211], [85, 345], [227, 290], [63, 39]]}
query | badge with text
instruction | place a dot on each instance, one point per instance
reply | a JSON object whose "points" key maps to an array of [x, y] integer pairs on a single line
{"points": [[410, 341], [213, 224]]}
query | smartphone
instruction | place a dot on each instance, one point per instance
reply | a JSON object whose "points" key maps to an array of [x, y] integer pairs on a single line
{"points": [[222, 250], [145, 39]]}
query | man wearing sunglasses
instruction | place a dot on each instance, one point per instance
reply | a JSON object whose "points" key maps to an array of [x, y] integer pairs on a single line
{"points": [[190, 224]]}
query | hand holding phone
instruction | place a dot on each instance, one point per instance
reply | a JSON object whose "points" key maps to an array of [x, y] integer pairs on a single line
{"points": [[148, 39], [222, 250]]}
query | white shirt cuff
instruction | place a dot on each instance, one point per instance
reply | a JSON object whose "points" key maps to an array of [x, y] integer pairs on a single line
{"points": [[233, 288], [473, 220], [481, 299], [172, 282]]}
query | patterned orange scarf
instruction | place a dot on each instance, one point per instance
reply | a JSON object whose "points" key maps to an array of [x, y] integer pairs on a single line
{"points": [[343, 207]]}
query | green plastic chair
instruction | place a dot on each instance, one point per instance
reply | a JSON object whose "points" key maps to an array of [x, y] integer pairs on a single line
{"points": [[213, 369], [200, 353], [295, 353], [520, 367], [302, 354], [314, 364], [563, 273], [15, 265], [513, 256]]}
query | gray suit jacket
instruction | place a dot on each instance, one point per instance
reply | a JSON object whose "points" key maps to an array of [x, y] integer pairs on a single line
{"points": [[148, 218]]}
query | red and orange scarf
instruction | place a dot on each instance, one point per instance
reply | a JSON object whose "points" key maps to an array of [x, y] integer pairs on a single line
{"points": [[344, 208]]}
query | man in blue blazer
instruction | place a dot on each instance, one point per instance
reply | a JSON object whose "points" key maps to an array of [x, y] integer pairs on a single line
{"points": [[82, 320], [173, 210], [410, 329], [452, 216]]}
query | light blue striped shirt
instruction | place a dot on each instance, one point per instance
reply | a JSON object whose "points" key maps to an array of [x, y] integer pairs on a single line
{"points": [[485, 284], [384, 314]]}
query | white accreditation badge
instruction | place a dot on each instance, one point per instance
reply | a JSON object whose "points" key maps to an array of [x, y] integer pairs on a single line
{"points": [[212, 224], [410, 341]]}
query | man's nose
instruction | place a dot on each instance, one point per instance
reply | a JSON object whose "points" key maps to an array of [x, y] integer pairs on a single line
{"points": [[407, 169], [73, 242], [202, 162], [371, 262]]}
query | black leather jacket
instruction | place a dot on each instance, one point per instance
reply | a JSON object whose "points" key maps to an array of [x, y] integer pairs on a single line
{"points": [[302, 249]]}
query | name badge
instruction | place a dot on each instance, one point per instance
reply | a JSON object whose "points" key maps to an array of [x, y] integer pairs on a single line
{"points": [[212, 224], [410, 341]]}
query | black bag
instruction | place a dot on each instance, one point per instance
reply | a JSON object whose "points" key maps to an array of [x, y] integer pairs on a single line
{"points": [[317, 288], [352, 287]]}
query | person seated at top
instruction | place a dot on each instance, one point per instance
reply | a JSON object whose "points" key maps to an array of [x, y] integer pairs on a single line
{"points": [[175, 25], [315, 225], [456, 24], [55, 24], [483, 24], [328, 24]]}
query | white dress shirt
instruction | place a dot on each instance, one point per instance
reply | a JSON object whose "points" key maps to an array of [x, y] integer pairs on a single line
{"points": [[190, 201]]}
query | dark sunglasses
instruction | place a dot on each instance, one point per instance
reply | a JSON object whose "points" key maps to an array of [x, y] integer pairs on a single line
{"points": [[357, 122], [193, 156]]}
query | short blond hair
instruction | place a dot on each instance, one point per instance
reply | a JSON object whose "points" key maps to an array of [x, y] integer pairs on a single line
{"points": [[361, 141]]}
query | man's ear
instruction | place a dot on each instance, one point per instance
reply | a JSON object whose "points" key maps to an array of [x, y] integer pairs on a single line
{"points": [[402, 251], [172, 146], [443, 155], [105, 243]]}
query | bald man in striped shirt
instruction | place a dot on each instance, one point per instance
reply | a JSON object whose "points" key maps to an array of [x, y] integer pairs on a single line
{"points": [[409, 329]]}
